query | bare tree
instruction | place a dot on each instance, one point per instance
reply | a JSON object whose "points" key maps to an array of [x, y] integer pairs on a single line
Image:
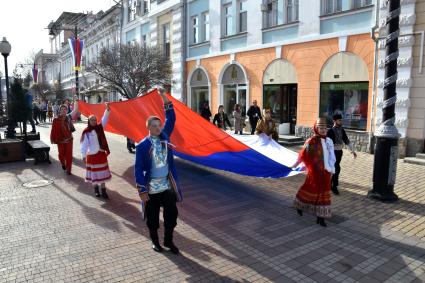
{"points": [[42, 90], [132, 70]]}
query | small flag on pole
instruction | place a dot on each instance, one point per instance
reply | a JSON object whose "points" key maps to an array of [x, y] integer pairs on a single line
{"points": [[76, 45], [35, 74]]}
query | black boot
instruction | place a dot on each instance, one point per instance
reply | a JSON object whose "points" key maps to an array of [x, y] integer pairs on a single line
{"points": [[168, 241], [96, 191], [300, 212], [335, 190], [155, 241], [104, 194], [321, 221]]}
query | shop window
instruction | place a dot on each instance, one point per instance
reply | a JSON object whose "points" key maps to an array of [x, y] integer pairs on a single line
{"points": [[349, 99]]}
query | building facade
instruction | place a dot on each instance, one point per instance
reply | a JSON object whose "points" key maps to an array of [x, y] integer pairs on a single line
{"points": [[300, 59], [159, 23], [303, 59], [103, 31]]}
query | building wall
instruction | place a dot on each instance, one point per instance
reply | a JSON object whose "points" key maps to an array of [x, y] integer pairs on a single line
{"points": [[416, 127], [308, 59]]}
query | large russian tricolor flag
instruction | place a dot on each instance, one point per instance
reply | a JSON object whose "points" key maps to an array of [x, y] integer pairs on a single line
{"points": [[197, 140]]}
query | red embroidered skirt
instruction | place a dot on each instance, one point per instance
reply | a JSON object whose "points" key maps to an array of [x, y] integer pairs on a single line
{"points": [[314, 196], [97, 169]]}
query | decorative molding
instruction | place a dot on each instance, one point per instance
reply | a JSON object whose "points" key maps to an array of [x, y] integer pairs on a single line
{"points": [[401, 103], [342, 42], [401, 83], [278, 51], [405, 20], [401, 62], [384, 3], [403, 41]]}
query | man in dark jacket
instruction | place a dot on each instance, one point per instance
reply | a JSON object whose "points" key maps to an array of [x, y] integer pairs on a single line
{"points": [[156, 176], [254, 114], [339, 137]]}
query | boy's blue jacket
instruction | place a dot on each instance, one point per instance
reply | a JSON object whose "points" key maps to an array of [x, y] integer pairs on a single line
{"points": [[143, 163]]}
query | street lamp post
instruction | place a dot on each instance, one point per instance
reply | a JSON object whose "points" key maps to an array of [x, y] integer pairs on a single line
{"points": [[5, 49], [386, 150]]}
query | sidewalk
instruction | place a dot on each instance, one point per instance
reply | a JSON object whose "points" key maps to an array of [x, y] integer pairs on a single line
{"points": [[231, 228]]}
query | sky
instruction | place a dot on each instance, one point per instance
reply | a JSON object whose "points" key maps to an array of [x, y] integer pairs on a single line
{"points": [[23, 24]]}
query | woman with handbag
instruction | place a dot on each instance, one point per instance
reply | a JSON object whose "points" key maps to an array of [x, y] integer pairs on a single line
{"points": [[61, 135]]}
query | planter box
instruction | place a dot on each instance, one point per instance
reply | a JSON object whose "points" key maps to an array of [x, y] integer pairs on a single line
{"points": [[11, 150]]}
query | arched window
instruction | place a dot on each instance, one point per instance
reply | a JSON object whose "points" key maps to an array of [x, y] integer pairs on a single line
{"points": [[199, 90], [344, 85], [234, 83], [280, 92]]}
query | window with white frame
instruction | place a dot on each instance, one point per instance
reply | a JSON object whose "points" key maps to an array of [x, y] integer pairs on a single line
{"points": [[242, 16], [228, 19], [145, 7], [291, 10], [132, 10], [269, 9], [166, 40], [361, 3], [279, 12], [206, 26], [144, 40], [335, 6], [195, 30]]}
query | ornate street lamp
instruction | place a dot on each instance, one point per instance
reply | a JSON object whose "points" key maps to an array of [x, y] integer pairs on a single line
{"points": [[386, 150], [5, 49]]}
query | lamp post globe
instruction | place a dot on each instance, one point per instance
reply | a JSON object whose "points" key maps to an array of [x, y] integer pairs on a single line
{"points": [[5, 49]]}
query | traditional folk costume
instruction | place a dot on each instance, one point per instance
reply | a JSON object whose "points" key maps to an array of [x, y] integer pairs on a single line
{"points": [[156, 175], [339, 137], [61, 135], [94, 148], [267, 127], [319, 159]]}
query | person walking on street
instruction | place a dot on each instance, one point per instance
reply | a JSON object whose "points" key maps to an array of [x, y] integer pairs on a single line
{"points": [[339, 137], [35, 112], [43, 111], [55, 109], [30, 110], [239, 119], [267, 126], [254, 114], [95, 150], [50, 111], [156, 176], [221, 119], [130, 145], [318, 157], [206, 112], [61, 134]]}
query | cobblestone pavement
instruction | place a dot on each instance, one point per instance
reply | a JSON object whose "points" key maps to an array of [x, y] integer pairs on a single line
{"points": [[231, 228]]}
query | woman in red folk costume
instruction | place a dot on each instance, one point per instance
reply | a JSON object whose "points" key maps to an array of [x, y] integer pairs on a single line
{"points": [[94, 149], [319, 159], [61, 135]]}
